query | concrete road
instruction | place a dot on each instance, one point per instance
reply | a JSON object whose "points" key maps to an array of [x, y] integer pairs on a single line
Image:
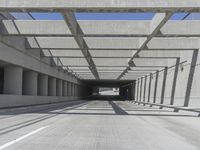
{"points": [[99, 125]]}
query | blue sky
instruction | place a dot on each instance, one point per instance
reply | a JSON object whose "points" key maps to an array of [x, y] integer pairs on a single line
{"points": [[103, 16]]}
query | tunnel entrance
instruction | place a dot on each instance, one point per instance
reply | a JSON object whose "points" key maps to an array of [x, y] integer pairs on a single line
{"points": [[112, 89], [109, 91]]}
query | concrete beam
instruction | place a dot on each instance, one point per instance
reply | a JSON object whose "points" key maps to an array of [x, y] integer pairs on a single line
{"points": [[100, 6], [157, 23], [76, 30], [121, 28]]}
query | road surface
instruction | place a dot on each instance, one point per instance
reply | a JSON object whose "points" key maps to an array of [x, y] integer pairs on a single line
{"points": [[99, 125]]}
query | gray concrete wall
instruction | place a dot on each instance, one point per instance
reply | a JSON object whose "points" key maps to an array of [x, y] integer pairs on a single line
{"points": [[181, 85], [16, 100]]}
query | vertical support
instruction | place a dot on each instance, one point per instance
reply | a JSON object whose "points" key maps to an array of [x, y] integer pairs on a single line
{"points": [[72, 89], [138, 89], [13, 80], [42, 85], [52, 86], [145, 82], [65, 89], [30, 83], [155, 88], [174, 81], [190, 78], [141, 89], [149, 92], [69, 89], [163, 85], [59, 87]]}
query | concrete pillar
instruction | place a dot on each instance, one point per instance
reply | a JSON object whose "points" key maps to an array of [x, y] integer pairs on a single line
{"points": [[1, 80], [30, 83], [149, 89], [42, 85], [144, 92], [163, 85], [13, 80], [72, 89], [75, 90], [155, 87], [69, 89], [52, 86], [138, 90], [65, 88], [190, 77], [141, 82], [59, 87], [174, 81]]}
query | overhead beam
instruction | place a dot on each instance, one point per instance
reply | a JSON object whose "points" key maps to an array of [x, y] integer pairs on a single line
{"points": [[157, 23], [76, 30], [48, 28], [117, 49], [100, 6]]}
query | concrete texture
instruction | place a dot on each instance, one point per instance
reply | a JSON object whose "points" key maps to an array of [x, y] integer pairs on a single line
{"points": [[42, 85], [51, 86], [100, 125], [103, 5], [30, 83], [13, 80], [7, 101]]}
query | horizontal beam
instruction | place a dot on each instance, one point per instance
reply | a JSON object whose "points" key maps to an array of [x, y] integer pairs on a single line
{"points": [[115, 57], [102, 35], [116, 49], [48, 28], [101, 6]]}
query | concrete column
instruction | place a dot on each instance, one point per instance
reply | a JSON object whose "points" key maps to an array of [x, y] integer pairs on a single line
{"points": [[141, 89], [1, 80], [149, 89], [145, 82], [75, 90], [13, 80], [163, 85], [65, 88], [138, 81], [190, 77], [52, 86], [69, 89], [72, 89], [155, 87], [59, 87], [42, 85], [174, 81], [30, 83]]}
